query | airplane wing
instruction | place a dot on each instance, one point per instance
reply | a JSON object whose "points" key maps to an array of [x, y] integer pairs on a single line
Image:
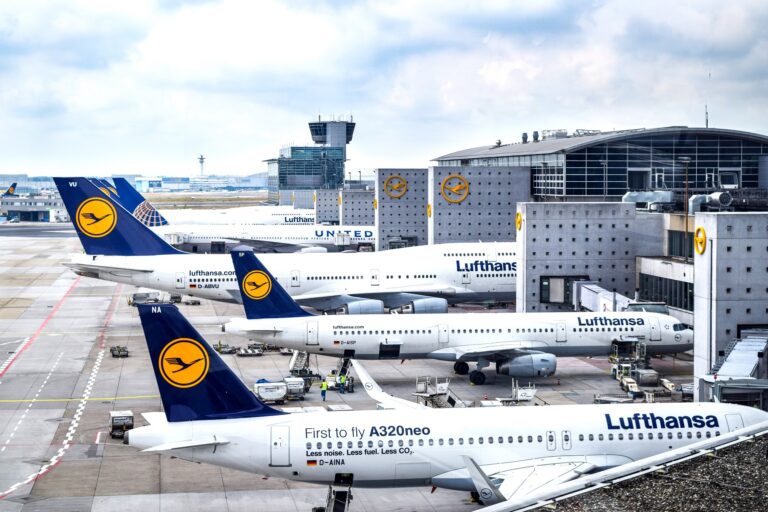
{"points": [[495, 483], [374, 391], [95, 267], [501, 350]]}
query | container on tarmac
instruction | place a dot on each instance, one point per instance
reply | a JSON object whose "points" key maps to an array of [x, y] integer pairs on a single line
{"points": [[273, 392]]}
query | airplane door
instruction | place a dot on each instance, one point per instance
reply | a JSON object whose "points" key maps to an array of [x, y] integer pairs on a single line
{"points": [[280, 447], [180, 281], [655, 330], [311, 333], [566, 439], [442, 334], [295, 278], [735, 422], [561, 332], [551, 442], [465, 278], [374, 277]]}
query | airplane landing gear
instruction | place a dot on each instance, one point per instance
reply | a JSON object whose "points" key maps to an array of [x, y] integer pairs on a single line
{"points": [[477, 378], [461, 368]]}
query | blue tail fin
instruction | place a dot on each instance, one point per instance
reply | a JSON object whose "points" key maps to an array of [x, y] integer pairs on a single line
{"points": [[134, 202], [105, 227], [107, 188], [262, 295], [11, 190], [194, 383]]}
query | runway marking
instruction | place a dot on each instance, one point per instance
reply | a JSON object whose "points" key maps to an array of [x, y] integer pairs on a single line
{"points": [[92, 399], [14, 341], [7, 364], [70, 434], [32, 402]]}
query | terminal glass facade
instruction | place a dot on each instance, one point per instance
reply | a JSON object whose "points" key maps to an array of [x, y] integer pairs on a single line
{"points": [[676, 294], [306, 168], [658, 162]]}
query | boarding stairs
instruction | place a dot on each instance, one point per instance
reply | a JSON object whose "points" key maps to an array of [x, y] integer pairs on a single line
{"points": [[437, 394]]}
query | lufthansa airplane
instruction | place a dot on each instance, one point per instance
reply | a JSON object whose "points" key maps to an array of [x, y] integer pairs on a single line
{"points": [[282, 229], [134, 202], [119, 248], [497, 452], [11, 192], [519, 344]]}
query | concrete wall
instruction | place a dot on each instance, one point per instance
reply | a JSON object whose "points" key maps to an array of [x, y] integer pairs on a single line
{"points": [[471, 204], [356, 207], [598, 240], [327, 206], [403, 211], [730, 282]]}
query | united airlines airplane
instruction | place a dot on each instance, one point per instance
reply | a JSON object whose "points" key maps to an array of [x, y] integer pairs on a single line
{"points": [[135, 203], [518, 344], [119, 248], [497, 452]]}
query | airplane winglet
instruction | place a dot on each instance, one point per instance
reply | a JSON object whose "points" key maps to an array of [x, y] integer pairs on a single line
{"points": [[488, 492], [374, 391]]}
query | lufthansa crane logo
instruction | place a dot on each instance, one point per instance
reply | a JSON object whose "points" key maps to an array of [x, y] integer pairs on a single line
{"points": [[454, 188], [256, 284], [183, 363], [96, 217], [518, 220], [395, 186], [700, 240]]}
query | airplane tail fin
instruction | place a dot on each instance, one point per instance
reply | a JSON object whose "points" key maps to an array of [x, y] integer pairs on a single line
{"points": [[108, 189], [105, 227], [194, 383], [11, 190], [262, 295], [135, 203]]}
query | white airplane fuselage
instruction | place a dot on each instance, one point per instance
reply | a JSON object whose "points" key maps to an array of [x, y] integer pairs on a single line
{"points": [[449, 336], [457, 272], [264, 214], [395, 448], [295, 234]]}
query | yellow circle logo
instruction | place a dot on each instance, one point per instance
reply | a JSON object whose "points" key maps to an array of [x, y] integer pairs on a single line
{"points": [[518, 220], [700, 240], [395, 186], [96, 217], [257, 284], [183, 363], [454, 188]]}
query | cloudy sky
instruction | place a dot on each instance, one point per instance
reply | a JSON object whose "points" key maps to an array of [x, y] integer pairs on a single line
{"points": [[101, 87]]}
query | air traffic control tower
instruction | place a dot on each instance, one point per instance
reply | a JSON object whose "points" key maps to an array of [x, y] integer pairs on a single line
{"points": [[311, 167]]}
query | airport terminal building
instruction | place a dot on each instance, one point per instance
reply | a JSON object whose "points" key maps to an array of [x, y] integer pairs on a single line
{"points": [[587, 165]]}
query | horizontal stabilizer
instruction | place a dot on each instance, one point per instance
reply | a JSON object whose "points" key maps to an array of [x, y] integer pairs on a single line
{"points": [[191, 443], [375, 392]]}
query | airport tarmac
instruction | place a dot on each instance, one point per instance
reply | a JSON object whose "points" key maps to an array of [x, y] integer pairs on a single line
{"points": [[58, 383]]}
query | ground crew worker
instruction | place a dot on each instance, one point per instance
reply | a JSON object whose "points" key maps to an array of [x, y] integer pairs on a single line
{"points": [[323, 389], [343, 383]]}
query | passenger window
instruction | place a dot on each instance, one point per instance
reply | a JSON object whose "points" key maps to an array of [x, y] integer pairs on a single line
{"points": [[410, 442], [370, 444], [421, 442], [461, 440], [309, 446], [479, 440], [400, 443], [519, 439], [349, 444], [690, 435], [359, 444], [440, 442], [450, 441], [591, 437], [530, 439], [621, 437], [581, 437], [471, 440], [501, 440], [600, 437], [381, 444], [538, 438], [330, 445], [391, 443], [698, 434], [610, 437], [431, 442]]}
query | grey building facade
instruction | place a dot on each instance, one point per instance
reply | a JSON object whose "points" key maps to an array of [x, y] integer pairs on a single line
{"points": [[327, 206], [400, 207], [356, 207], [731, 282], [561, 243], [475, 203]]}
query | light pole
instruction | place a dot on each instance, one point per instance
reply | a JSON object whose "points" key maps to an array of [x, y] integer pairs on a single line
{"points": [[686, 160]]}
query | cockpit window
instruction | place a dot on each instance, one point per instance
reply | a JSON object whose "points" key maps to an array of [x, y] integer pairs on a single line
{"points": [[679, 327]]}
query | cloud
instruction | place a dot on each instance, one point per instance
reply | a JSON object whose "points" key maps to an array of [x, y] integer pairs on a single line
{"points": [[147, 86]]}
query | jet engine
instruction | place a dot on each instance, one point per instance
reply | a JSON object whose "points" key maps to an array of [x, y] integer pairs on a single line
{"points": [[538, 364], [359, 307], [425, 305]]}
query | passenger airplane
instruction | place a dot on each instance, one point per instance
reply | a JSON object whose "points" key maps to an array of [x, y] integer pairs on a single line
{"points": [[286, 236], [519, 344], [497, 452], [11, 192], [416, 279], [134, 202]]}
